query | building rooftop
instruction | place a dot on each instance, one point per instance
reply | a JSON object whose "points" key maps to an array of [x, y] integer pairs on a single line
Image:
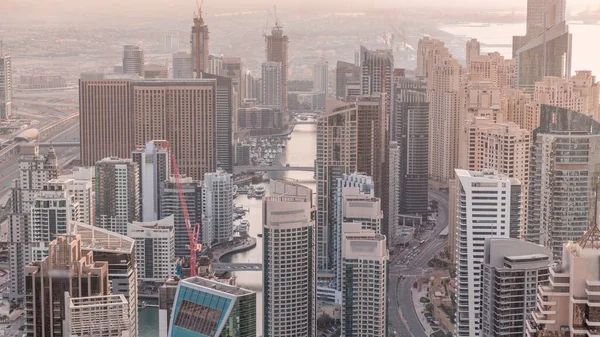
{"points": [[98, 239], [216, 286]]}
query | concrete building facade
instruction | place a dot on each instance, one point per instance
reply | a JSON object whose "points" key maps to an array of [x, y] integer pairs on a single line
{"points": [[271, 84], [337, 139], [6, 87], [289, 262], [154, 248], [199, 45], [563, 164], [154, 163], [133, 60], [512, 271], [277, 51], [364, 282], [182, 65], [35, 169], [117, 194], [217, 208], [170, 204], [488, 206]]}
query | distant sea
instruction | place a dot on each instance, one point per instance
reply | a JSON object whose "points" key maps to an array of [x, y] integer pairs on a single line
{"points": [[585, 41]]}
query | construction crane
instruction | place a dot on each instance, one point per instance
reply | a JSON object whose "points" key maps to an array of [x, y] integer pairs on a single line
{"points": [[193, 232]]}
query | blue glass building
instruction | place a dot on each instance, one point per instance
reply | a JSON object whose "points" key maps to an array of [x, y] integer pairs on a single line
{"points": [[206, 308]]}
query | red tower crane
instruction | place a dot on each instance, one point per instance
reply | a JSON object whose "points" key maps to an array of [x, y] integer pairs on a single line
{"points": [[194, 232]]}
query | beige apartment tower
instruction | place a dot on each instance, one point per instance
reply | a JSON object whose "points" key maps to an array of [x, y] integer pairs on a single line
{"points": [[503, 147], [443, 74], [336, 156], [106, 119]]}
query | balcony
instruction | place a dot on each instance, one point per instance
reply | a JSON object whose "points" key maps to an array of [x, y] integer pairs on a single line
{"points": [[541, 318]]}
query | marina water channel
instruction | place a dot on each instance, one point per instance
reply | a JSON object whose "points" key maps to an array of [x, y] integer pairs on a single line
{"points": [[300, 151]]}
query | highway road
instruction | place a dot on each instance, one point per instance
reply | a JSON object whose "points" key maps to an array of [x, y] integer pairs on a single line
{"points": [[9, 168], [402, 316]]}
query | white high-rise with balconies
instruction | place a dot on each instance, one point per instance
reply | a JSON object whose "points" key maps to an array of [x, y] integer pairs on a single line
{"points": [[35, 170], [487, 206], [217, 208], [289, 262], [364, 282], [154, 164], [154, 248], [52, 214]]}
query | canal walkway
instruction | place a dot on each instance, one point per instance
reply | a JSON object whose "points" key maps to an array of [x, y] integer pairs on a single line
{"points": [[224, 250]]}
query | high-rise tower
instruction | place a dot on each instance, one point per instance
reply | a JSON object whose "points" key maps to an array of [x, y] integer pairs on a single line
{"points": [[336, 156], [289, 292], [35, 170], [277, 51], [133, 60], [6, 86], [199, 40], [154, 163]]}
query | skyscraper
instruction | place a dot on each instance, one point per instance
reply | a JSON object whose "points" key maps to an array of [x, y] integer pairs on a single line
{"points": [[199, 45], [35, 170], [182, 112], [182, 65], [133, 60], [503, 147], [271, 84], [154, 165], [356, 204], [105, 134], [409, 127], [224, 121], [234, 69], [345, 73], [80, 185], [563, 164], [154, 248], [545, 50], [204, 307], [117, 194], [118, 251], [53, 212], [364, 271], [215, 64], [377, 68], [512, 270], [66, 269], [498, 218], [217, 208], [372, 145], [170, 204], [277, 51], [289, 238], [321, 77], [490, 67], [543, 14], [6, 86], [336, 155], [443, 86]]}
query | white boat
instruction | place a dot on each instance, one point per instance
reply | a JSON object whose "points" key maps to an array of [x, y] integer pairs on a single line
{"points": [[259, 192], [243, 226]]}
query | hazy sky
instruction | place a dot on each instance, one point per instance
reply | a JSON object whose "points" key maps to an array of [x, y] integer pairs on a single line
{"points": [[140, 12], [89, 6]]}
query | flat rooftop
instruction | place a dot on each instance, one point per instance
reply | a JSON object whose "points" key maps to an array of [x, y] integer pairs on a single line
{"points": [[218, 286]]}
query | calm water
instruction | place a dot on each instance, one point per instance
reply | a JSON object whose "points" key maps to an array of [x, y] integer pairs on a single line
{"points": [[300, 151], [584, 41]]}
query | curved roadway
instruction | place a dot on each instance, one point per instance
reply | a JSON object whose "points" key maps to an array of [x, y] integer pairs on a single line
{"points": [[403, 320]]}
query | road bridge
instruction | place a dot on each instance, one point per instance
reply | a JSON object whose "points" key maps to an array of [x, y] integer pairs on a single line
{"points": [[237, 266], [301, 123], [60, 144], [275, 168]]}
